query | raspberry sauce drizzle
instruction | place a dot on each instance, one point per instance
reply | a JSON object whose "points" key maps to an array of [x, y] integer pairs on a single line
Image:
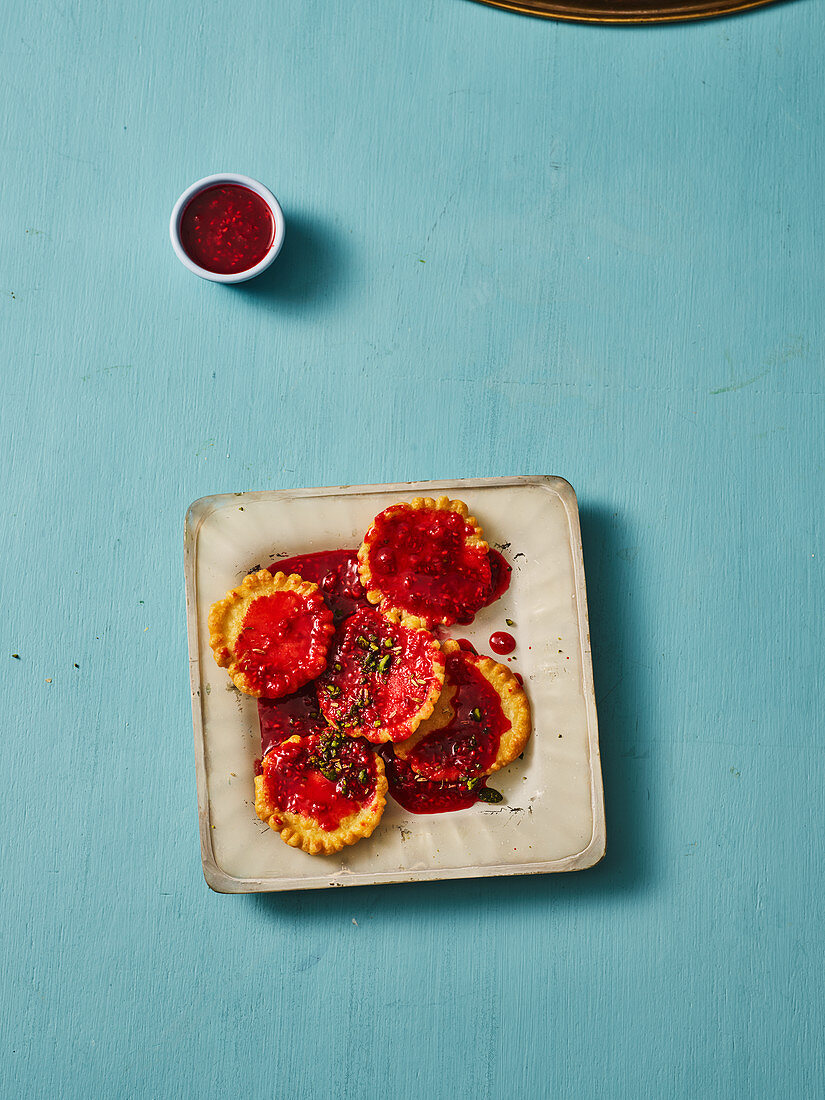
{"points": [[378, 676], [421, 561], [427, 796], [468, 745], [320, 779], [336, 574], [292, 714], [283, 641], [502, 643], [500, 573]]}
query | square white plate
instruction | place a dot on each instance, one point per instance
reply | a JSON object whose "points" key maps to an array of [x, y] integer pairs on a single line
{"points": [[552, 817]]}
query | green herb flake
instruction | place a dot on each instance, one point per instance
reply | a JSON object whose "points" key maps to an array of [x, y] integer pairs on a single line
{"points": [[487, 794], [475, 714], [509, 622]]}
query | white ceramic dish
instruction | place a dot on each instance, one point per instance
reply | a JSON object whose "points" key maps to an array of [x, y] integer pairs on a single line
{"points": [[212, 181], [552, 817]]}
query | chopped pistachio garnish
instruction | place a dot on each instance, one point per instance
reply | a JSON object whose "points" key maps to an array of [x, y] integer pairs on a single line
{"points": [[487, 794]]}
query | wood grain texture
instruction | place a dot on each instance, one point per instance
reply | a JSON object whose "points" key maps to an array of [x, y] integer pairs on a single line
{"points": [[513, 246]]}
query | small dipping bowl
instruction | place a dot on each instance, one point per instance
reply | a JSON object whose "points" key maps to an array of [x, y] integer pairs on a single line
{"points": [[224, 233]]}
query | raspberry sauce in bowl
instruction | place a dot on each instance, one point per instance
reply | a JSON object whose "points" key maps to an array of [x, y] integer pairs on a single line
{"points": [[227, 228]]}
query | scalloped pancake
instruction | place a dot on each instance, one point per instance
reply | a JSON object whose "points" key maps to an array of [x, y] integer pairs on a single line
{"points": [[383, 676], [321, 793], [426, 558], [271, 633], [480, 723]]}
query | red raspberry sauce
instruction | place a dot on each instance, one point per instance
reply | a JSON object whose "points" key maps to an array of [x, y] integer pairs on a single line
{"points": [[428, 796], [501, 642], [378, 675], [500, 573], [226, 228], [420, 561], [283, 641], [336, 574], [293, 779], [292, 714], [468, 745], [423, 796]]}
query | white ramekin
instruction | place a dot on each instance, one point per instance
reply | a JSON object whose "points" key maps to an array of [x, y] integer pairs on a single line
{"points": [[243, 181]]}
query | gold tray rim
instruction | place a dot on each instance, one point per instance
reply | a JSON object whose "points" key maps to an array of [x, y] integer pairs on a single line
{"points": [[585, 13]]}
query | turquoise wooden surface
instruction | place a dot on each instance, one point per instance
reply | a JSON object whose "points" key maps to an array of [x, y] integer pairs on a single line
{"points": [[513, 246]]}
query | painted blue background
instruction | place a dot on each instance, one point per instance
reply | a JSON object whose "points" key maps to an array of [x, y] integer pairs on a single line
{"points": [[514, 246]]}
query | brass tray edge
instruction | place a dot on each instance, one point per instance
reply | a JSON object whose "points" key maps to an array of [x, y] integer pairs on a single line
{"points": [[630, 19]]}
